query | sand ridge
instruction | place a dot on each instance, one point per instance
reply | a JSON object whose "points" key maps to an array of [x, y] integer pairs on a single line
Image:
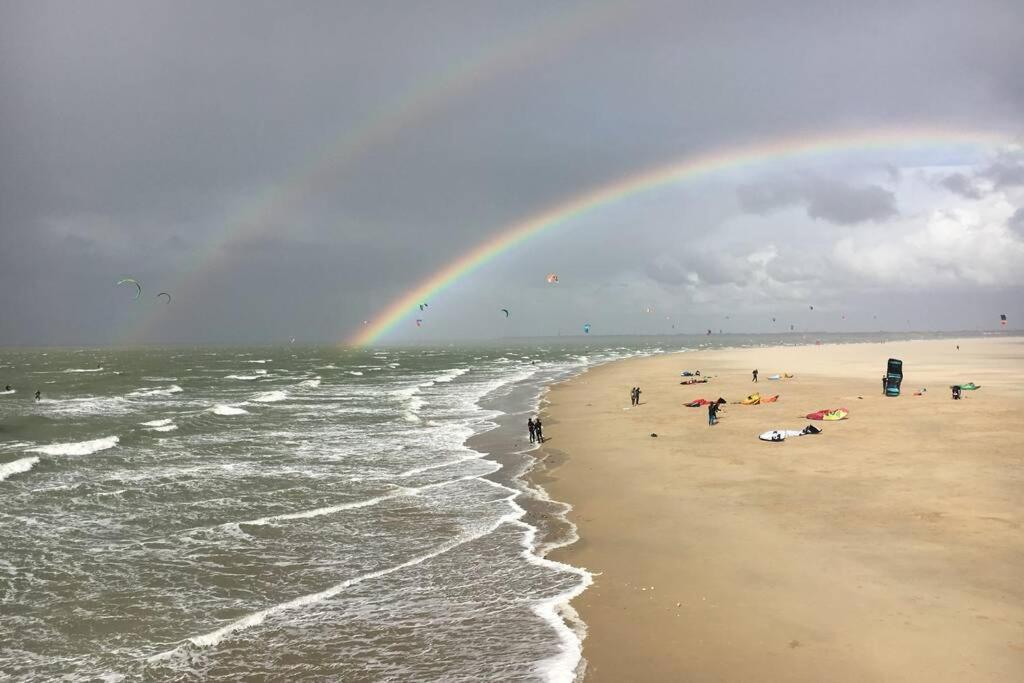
{"points": [[889, 547]]}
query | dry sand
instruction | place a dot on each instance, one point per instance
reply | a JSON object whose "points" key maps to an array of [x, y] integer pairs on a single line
{"points": [[889, 547]]}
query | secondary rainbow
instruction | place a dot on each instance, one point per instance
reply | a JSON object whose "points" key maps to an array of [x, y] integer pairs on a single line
{"points": [[687, 169], [274, 209]]}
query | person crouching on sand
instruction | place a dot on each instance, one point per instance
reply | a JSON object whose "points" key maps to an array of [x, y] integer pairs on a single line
{"points": [[713, 413], [532, 429]]}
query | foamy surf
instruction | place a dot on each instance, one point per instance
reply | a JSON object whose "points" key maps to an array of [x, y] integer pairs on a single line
{"points": [[221, 409], [9, 469], [270, 397], [244, 378], [77, 448], [212, 638], [84, 370], [160, 426], [162, 391]]}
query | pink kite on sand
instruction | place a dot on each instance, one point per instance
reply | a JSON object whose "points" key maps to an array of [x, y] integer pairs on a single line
{"points": [[834, 414]]}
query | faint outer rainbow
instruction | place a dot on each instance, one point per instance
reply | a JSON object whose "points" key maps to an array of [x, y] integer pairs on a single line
{"points": [[689, 168], [557, 32]]}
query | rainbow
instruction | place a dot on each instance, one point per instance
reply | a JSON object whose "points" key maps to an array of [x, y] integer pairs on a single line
{"points": [[274, 208], [689, 168]]}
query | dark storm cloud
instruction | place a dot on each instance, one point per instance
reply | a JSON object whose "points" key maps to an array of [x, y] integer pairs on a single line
{"points": [[133, 135], [832, 201], [1016, 222], [962, 184], [1008, 171]]}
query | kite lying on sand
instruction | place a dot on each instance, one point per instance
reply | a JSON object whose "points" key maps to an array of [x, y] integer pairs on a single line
{"points": [[833, 414]]}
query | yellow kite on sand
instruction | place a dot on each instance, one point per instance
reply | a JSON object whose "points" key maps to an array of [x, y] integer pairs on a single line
{"points": [[756, 399]]}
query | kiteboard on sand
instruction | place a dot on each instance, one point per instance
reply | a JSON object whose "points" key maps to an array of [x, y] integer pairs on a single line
{"points": [[782, 434]]}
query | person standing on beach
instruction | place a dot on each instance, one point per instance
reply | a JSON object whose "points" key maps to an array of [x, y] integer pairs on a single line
{"points": [[755, 376], [632, 396], [638, 396], [532, 429], [713, 413], [538, 429]]}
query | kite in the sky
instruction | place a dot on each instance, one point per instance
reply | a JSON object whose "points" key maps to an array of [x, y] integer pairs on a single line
{"points": [[1002, 319], [812, 308], [505, 311], [552, 278], [164, 294], [132, 281], [422, 306], [586, 328], [419, 322]]}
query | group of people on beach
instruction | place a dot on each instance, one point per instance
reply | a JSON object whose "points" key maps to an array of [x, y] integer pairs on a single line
{"points": [[634, 396], [536, 429]]}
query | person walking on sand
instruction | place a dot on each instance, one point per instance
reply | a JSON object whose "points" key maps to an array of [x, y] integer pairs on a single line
{"points": [[755, 376], [538, 429], [532, 429]]}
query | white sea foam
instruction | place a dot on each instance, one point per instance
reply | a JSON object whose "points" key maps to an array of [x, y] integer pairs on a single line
{"points": [[17, 467], [449, 375], [84, 370], [156, 423], [10, 391], [164, 391], [221, 409], [244, 377], [310, 383], [265, 360], [159, 379], [165, 428], [355, 372], [270, 397], [77, 448], [333, 509]]}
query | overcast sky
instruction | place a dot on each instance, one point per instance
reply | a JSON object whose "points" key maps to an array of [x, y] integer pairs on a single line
{"points": [[288, 169]]}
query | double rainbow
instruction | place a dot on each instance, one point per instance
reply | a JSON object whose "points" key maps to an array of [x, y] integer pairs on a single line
{"points": [[687, 169]]}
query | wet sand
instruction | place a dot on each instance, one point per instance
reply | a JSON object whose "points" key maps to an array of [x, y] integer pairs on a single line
{"points": [[889, 547]]}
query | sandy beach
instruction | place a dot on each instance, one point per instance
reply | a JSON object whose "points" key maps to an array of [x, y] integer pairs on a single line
{"points": [[888, 547]]}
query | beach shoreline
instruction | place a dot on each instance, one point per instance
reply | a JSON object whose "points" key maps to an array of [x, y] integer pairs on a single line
{"points": [[885, 547]]}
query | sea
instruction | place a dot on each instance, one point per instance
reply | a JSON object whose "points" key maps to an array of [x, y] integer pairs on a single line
{"points": [[291, 513]]}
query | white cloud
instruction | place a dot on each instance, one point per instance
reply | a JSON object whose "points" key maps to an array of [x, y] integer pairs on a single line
{"points": [[972, 245]]}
